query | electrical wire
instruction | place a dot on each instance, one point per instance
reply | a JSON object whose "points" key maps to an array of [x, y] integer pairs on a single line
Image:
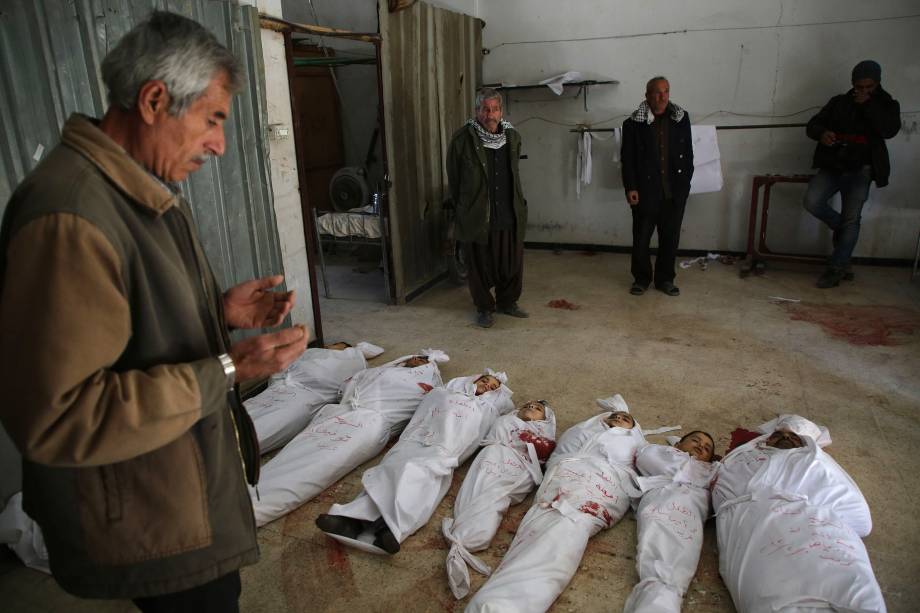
{"points": [[696, 30], [698, 121]]}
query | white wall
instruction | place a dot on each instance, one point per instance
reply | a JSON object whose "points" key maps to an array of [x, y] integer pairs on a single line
{"points": [[285, 181], [282, 158], [728, 62]]}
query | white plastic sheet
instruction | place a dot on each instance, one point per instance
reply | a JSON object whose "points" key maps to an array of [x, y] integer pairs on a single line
{"points": [[410, 481], [670, 516], [293, 397], [707, 162], [376, 404], [588, 486], [502, 474], [789, 524], [583, 163], [21, 534], [556, 83]]}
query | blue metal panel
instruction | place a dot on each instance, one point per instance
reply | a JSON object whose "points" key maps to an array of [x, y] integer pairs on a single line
{"points": [[50, 55]]}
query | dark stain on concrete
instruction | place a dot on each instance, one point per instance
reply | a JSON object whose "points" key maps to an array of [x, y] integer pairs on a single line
{"points": [[861, 325]]}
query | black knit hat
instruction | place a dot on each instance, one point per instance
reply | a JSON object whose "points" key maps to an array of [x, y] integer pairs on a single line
{"points": [[867, 69]]}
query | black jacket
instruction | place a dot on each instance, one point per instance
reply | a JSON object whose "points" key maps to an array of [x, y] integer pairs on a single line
{"points": [[881, 114], [639, 155]]}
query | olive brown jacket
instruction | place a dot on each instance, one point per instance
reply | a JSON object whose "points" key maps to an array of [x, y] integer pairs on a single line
{"points": [[467, 177], [134, 453]]}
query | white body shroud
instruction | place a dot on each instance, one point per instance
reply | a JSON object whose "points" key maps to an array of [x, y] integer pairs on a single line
{"points": [[671, 514], [502, 474], [21, 534], [413, 477], [588, 487], [376, 404], [292, 398], [789, 524]]}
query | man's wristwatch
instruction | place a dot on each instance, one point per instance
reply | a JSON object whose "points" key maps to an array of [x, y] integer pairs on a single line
{"points": [[229, 369]]}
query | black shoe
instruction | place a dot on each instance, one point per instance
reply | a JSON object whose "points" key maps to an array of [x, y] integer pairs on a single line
{"points": [[485, 319], [349, 527], [668, 288], [515, 311], [636, 290], [383, 537], [831, 278]]}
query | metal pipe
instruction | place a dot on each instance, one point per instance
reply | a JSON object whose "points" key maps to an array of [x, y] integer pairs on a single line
{"points": [[384, 211], [280, 25], [753, 126]]}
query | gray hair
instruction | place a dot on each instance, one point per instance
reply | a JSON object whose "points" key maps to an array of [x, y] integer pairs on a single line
{"points": [[173, 49], [652, 80], [488, 93]]}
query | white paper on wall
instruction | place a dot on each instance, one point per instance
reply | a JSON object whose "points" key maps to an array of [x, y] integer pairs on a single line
{"points": [[707, 162]]}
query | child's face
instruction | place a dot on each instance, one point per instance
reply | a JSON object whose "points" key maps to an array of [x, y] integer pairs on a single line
{"points": [[416, 360], [620, 419], [532, 411], [486, 383], [697, 444]]}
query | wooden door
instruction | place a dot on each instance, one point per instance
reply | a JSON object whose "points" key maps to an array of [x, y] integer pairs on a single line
{"points": [[431, 64], [319, 114]]}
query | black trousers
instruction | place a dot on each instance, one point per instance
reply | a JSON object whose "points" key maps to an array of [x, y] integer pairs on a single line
{"points": [[498, 264], [219, 596], [666, 219]]}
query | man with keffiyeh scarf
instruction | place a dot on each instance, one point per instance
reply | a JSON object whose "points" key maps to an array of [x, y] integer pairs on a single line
{"points": [[491, 213], [657, 156]]}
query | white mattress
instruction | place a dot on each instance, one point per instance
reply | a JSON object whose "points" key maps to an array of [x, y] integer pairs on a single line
{"points": [[356, 222]]}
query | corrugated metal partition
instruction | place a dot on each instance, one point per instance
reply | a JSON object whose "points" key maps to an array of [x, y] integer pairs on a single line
{"points": [[430, 59], [50, 53]]}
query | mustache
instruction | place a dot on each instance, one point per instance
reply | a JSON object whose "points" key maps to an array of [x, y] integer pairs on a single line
{"points": [[204, 157]]}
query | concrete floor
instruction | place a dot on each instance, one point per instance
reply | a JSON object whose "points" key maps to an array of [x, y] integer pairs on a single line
{"points": [[722, 355], [353, 273]]}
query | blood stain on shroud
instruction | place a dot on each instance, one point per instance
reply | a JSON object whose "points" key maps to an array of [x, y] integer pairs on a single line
{"points": [[862, 325]]}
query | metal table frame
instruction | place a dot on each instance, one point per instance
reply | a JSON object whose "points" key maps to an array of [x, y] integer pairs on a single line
{"points": [[329, 239], [757, 250]]}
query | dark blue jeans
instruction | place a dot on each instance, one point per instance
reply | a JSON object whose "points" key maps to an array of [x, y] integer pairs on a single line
{"points": [[854, 189]]}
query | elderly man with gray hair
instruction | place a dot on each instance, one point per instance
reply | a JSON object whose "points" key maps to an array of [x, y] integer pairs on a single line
{"points": [[657, 154], [491, 213], [136, 448]]}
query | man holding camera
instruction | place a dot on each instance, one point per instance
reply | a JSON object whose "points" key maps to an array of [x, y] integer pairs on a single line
{"points": [[851, 153]]}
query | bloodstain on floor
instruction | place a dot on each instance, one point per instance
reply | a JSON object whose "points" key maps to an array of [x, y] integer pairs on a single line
{"points": [[431, 542], [512, 520], [337, 556], [562, 303], [316, 573], [862, 325]]}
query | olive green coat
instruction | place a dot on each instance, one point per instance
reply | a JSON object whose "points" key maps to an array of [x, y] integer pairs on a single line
{"points": [[467, 176]]}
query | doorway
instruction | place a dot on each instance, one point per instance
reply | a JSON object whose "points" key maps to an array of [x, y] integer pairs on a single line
{"points": [[335, 96]]}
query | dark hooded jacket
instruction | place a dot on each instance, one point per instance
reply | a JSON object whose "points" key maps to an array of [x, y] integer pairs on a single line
{"points": [[878, 118]]}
